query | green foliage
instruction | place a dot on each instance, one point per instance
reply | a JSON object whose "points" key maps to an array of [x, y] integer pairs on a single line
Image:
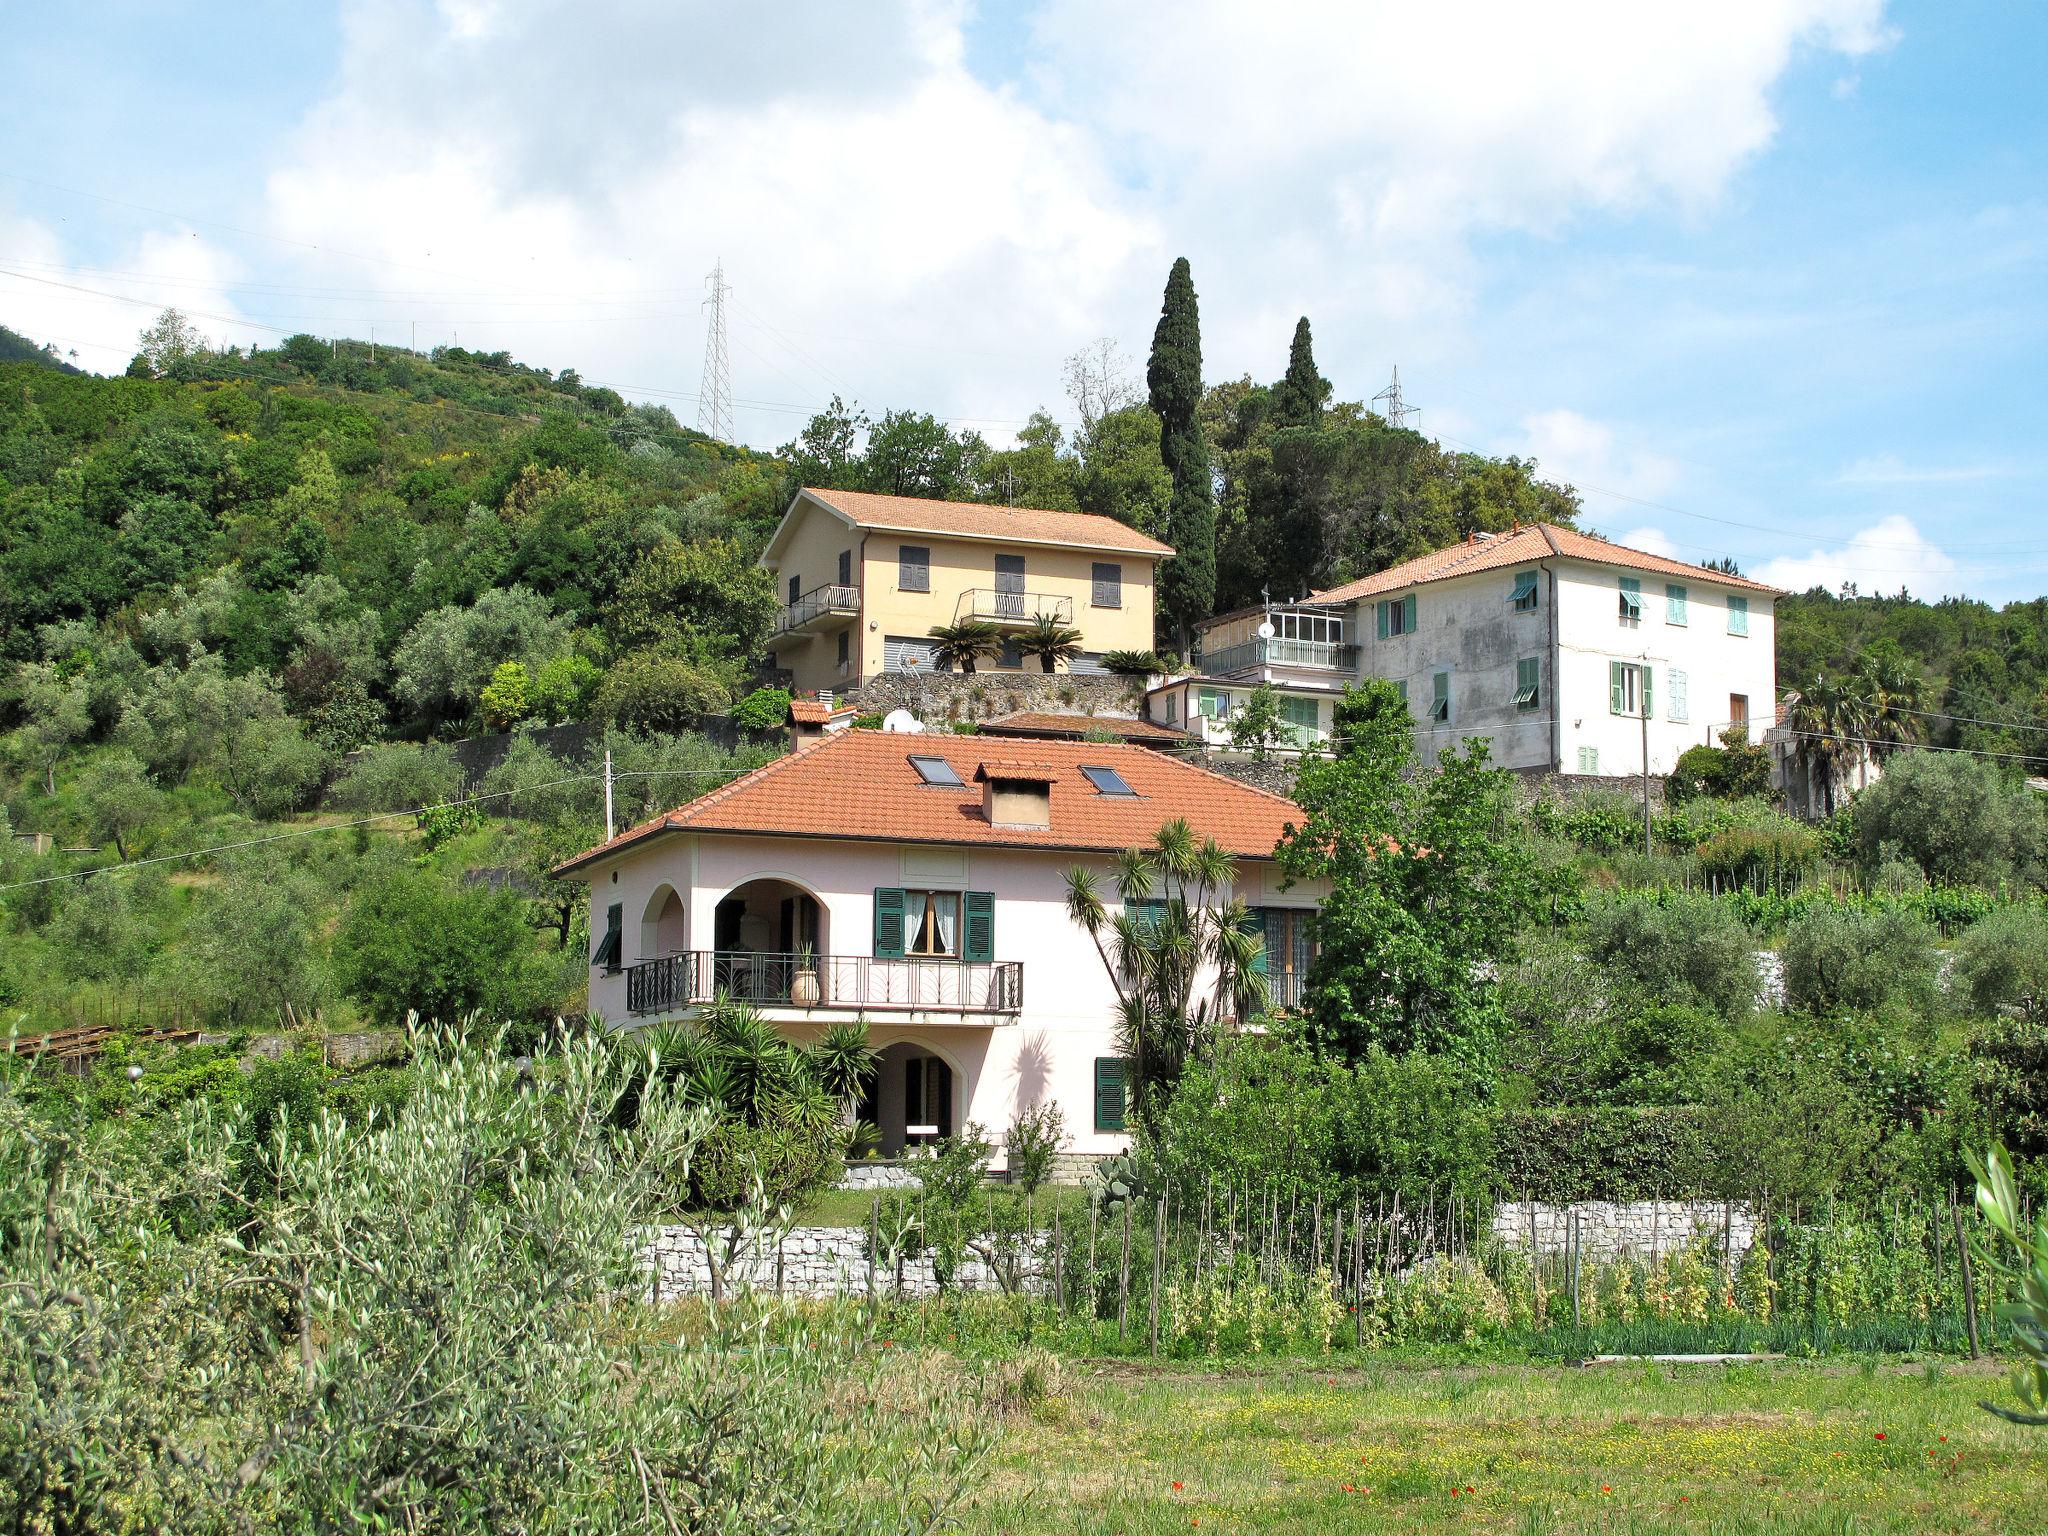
{"points": [[1133, 663], [765, 709], [1255, 726], [1032, 1145], [1609, 1153], [1735, 770], [1187, 579], [401, 776], [2002, 963], [1688, 946], [658, 693], [965, 643], [1952, 815], [2023, 1256], [1050, 641], [1838, 959], [504, 701], [412, 942], [1432, 885]]}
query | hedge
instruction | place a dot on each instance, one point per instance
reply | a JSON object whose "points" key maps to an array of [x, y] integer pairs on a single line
{"points": [[1606, 1153]]}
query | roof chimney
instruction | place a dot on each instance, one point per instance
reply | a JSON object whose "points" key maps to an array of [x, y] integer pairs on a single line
{"points": [[1016, 794]]}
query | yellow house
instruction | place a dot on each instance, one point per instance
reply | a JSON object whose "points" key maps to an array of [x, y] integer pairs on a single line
{"points": [[864, 579]]}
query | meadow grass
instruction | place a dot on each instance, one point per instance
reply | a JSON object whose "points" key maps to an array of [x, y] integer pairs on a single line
{"points": [[1524, 1449]]}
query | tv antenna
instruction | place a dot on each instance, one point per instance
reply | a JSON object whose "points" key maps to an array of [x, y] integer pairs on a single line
{"points": [[714, 394]]}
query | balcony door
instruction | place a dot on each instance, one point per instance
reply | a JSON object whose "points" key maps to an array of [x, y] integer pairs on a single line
{"points": [[1010, 586]]}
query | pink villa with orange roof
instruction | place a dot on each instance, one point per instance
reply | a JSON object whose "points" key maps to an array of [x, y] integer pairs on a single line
{"points": [[917, 881]]}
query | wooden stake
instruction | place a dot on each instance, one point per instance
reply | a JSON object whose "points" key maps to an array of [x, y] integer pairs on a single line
{"points": [[1969, 1278], [1158, 1272], [1123, 1281]]}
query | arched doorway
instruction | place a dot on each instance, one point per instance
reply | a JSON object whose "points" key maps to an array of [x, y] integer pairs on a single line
{"points": [[767, 937], [663, 930], [912, 1098]]}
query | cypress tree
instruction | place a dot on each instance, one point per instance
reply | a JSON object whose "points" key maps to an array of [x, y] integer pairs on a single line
{"points": [[1187, 582], [1299, 397]]}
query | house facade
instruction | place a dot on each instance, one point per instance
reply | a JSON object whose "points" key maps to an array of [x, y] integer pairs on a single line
{"points": [[1569, 653], [918, 882], [863, 579]]}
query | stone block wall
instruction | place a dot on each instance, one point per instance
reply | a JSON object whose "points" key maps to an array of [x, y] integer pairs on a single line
{"points": [[941, 698], [1610, 1230], [810, 1261]]}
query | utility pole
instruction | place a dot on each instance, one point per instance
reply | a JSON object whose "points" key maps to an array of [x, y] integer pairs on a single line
{"points": [[607, 794], [1395, 414], [1642, 709], [714, 393]]}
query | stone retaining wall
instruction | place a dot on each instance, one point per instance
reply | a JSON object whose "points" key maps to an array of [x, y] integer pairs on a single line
{"points": [[810, 1261], [941, 698], [1609, 1230]]}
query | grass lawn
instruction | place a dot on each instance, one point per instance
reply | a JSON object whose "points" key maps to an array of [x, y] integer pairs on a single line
{"points": [[1781, 1448]]}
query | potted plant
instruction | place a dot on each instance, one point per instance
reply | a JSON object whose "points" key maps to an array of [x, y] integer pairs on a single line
{"points": [[803, 984]]}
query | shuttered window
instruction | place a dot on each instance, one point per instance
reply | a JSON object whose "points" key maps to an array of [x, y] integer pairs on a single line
{"points": [[1106, 590], [1674, 604], [1526, 677], [1302, 717], [913, 568], [607, 955], [1111, 1092], [1628, 690], [981, 925], [1397, 616], [1525, 592], [1631, 603], [1589, 759], [1675, 683], [1440, 697], [796, 588], [846, 567], [1738, 615], [936, 925], [888, 923]]}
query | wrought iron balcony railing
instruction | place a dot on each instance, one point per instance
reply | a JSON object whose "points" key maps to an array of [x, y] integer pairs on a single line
{"points": [[993, 605], [832, 601], [841, 982]]}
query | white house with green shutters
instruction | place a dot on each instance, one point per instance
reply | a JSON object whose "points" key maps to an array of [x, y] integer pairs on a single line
{"points": [[1568, 653]]}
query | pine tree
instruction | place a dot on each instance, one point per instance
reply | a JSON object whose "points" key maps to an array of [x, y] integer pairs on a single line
{"points": [[1299, 398], [1187, 582]]}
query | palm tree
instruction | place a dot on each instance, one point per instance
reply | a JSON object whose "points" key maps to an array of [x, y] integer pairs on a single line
{"points": [[1827, 719], [1050, 641], [1892, 689], [962, 645]]}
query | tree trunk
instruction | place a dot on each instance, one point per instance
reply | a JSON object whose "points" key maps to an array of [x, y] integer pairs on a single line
{"points": [[1048, 661]]}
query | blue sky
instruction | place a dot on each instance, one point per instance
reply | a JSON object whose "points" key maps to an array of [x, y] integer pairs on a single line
{"points": [[1761, 279]]}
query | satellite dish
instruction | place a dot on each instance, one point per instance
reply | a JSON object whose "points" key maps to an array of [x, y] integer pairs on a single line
{"points": [[1266, 629], [902, 720]]}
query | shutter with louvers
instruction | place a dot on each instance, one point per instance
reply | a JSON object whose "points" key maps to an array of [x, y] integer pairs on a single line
{"points": [[1526, 678], [1256, 922], [1738, 615], [1631, 599], [888, 922], [1440, 696], [1109, 1093], [610, 946], [1649, 708], [1525, 590], [981, 925], [1680, 707], [1408, 614], [1615, 701], [1382, 609], [1674, 603], [1108, 583]]}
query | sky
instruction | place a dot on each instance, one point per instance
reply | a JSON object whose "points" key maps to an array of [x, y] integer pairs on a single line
{"points": [[1761, 278]]}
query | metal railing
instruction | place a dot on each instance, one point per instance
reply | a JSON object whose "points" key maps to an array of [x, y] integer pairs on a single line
{"points": [[1285, 989], [832, 598], [1330, 655], [784, 980], [999, 607]]}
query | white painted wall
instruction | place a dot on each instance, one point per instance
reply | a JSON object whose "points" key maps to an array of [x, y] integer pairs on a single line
{"points": [[1047, 1053]]}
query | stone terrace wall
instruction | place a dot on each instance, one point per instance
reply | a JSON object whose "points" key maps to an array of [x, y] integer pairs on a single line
{"points": [[940, 698], [812, 1261], [1610, 1230]]}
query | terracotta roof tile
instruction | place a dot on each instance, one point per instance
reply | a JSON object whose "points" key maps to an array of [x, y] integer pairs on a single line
{"points": [[859, 784], [1539, 541], [808, 712], [1014, 768], [1051, 723], [976, 520]]}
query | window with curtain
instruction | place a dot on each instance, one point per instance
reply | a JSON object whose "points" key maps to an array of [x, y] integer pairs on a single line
{"points": [[1628, 689], [931, 923]]}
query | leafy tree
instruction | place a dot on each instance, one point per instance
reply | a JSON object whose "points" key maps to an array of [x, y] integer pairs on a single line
{"points": [[1299, 397], [503, 702], [2001, 962], [250, 956], [399, 776], [1432, 883], [706, 602], [765, 709], [1034, 473], [1256, 726], [910, 453], [119, 799], [1838, 959], [412, 942], [56, 714], [963, 644], [447, 658], [1176, 933], [1187, 580], [1952, 815], [167, 341], [1735, 770], [1689, 945], [1050, 641], [1121, 474], [656, 691], [564, 687], [827, 452]]}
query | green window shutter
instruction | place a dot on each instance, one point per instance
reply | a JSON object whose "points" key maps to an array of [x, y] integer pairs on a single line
{"points": [[1738, 615], [1679, 706], [1110, 1093], [1440, 696], [1401, 687], [1589, 759], [609, 947], [1614, 700], [1525, 590], [1383, 607], [1527, 677], [981, 925], [1631, 599], [1649, 708], [1255, 922], [1674, 603], [1408, 614], [888, 922]]}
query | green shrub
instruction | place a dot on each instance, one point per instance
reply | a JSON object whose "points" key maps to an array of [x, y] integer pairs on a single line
{"points": [[2002, 962], [1681, 946], [399, 777], [1772, 855], [1414, 1123], [1953, 815], [765, 709], [1844, 959], [1608, 1154], [1264, 1109], [413, 942]]}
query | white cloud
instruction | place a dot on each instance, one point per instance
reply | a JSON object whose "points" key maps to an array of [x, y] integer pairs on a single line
{"points": [[1653, 541], [555, 178], [1888, 555], [1889, 469], [1579, 451]]}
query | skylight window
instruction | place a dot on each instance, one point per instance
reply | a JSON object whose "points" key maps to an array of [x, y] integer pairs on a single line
{"points": [[936, 770], [1107, 781]]}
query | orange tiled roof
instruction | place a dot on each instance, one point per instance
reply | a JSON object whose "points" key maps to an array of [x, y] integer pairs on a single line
{"points": [[974, 520], [808, 712], [859, 784], [1537, 541], [1014, 768], [1050, 723]]}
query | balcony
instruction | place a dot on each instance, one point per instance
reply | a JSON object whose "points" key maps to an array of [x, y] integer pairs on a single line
{"points": [[839, 983], [992, 605], [1315, 655], [824, 607]]}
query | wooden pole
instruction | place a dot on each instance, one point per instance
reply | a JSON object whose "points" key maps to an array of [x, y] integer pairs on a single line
{"points": [[874, 1239], [1535, 1283], [1969, 1278], [1158, 1272], [1123, 1281], [1094, 1274], [1357, 1279], [1059, 1265]]}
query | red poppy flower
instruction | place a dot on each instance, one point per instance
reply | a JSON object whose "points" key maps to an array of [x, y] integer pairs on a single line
{"points": [[1176, 1487], [1605, 1489], [1880, 1434], [1349, 1489], [1468, 1488], [1944, 1439]]}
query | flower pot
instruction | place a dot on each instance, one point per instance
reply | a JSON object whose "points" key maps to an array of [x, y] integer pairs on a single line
{"points": [[803, 989]]}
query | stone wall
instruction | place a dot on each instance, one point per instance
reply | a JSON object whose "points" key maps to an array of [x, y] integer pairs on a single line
{"points": [[941, 698], [1608, 1230], [810, 1261]]}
